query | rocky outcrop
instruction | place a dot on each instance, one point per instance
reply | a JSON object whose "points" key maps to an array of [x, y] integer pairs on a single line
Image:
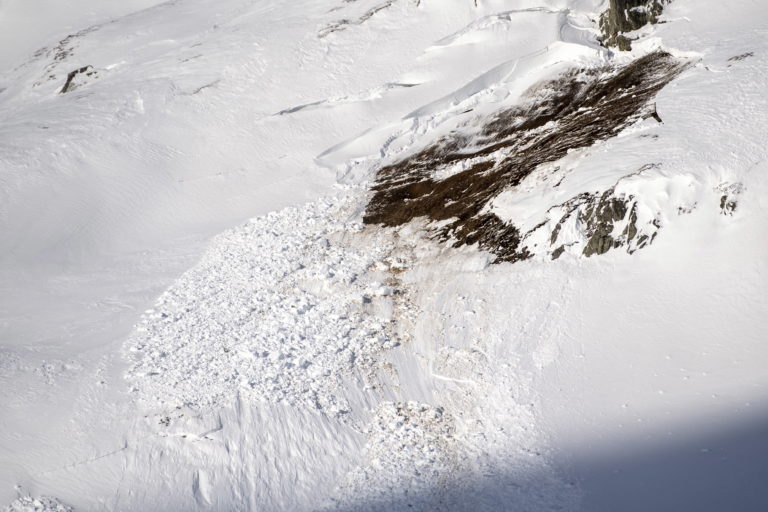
{"points": [[729, 199], [451, 182], [598, 223], [624, 16], [71, 84]]}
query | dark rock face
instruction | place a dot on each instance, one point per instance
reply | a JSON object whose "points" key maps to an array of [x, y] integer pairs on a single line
{"points": [[599, 215], [730, 198], [70, 84], [625, 16], [452, 181]]}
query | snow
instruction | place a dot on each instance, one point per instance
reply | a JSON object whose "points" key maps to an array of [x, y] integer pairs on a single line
{"points": [[276, 310], [24, 28], [300, 360]]}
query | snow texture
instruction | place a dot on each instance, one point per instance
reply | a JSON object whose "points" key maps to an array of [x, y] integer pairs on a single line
{"points": [[278, 309]]}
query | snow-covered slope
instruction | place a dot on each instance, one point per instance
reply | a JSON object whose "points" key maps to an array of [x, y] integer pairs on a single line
{"points": [[491, 264]]}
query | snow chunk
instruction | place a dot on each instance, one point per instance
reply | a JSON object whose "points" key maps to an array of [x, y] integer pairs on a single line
{"points": [[41, 504]]}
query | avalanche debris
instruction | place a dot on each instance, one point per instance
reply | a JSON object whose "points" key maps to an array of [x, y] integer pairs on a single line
{"points": [[279, 309]]}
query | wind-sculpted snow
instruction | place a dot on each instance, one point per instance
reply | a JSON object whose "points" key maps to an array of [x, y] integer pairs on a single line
{"points": [[452, 181], [279, 309]]}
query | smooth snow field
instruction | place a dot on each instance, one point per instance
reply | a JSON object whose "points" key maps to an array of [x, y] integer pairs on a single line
{"points": [[197, 312]]}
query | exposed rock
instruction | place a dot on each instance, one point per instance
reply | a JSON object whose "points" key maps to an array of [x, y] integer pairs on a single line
{"points": [[729, 199], [624, 16], [71, 84], [573, 111], [742, 56], [600, 218], [601, 221]]}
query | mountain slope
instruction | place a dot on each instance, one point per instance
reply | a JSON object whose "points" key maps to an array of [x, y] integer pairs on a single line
{"points": [[491, 265]]}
